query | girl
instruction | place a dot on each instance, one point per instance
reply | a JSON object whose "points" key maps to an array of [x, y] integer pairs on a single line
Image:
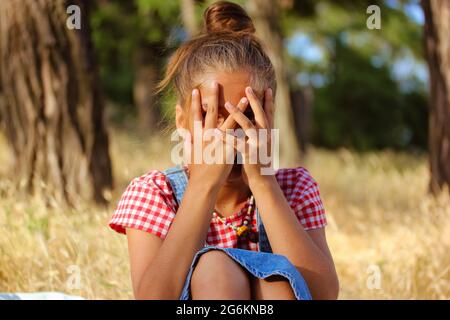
{"points": [[197, 232]]}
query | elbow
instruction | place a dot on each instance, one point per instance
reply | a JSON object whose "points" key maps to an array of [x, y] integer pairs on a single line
{"points": [[325, 286], [333, 290], [154, 292], [330, 290], [148, 294], [141, 294]]}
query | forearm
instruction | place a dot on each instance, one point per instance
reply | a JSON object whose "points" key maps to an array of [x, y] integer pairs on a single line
{"points": [[288, 237], [164, 277]]}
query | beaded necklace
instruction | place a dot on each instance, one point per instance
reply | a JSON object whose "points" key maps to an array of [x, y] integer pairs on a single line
{"points": [[243, 231]]}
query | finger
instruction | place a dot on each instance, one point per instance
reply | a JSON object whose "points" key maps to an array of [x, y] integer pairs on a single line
{"points": [[235, 142], [196, 108], [229, 122], [212, 100], [256, 107], [269, 109], [239, 117]]}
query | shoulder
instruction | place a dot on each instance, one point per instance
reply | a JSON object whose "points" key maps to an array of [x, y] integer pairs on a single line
{"points": [[146, 204], [302, 193], [153, 179], [297, 178], [152, 186]]}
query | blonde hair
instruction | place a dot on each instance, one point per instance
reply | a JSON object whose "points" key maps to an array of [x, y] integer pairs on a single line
{"points": [[227, 43]]}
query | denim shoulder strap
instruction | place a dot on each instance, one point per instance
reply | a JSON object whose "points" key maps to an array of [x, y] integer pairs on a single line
{"points": [[263, 240], [178, 181]]}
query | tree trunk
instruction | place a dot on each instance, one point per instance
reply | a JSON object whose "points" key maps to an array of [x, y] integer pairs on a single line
{"points": [[302, 102], [437, 47], [266, 16], [52, 109], [188, 17]]}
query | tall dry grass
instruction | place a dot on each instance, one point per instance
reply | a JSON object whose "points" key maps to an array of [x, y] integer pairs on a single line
{"points": [[389, 239]]}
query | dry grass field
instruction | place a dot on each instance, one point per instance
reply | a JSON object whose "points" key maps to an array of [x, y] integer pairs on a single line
{"points": [[389, 239]]}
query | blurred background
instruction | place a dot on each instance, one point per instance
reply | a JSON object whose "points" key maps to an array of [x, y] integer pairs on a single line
{"points": [[365, 107]]}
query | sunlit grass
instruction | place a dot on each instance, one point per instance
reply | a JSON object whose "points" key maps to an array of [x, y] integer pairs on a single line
{"points": [[379, 214]]}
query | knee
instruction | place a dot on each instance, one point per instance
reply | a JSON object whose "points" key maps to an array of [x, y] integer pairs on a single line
{"points": [[218, 276]]}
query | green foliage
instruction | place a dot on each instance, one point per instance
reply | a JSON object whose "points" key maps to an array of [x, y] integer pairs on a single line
{"points": [[120, 30], [361, 104], [361, 107]]}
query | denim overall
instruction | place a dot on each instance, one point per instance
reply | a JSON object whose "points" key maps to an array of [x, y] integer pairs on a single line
{"points": [[261, 264]]}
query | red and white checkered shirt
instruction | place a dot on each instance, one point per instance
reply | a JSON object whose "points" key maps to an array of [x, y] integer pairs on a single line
{"points": [[148, 204]]}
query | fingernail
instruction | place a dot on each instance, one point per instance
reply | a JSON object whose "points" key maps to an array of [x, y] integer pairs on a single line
{"points": [[194, 92], [269, 91], [214, 84], [249, 90], [229, 106], [244, 101]]}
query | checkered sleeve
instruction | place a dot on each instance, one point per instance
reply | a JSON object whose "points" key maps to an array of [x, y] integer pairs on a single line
{"points": [[302, 193], [147, 205], [306, 201]]}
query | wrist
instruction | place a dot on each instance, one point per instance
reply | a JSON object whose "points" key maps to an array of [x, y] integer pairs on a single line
{"points": [[261, 181], [205, 184]]}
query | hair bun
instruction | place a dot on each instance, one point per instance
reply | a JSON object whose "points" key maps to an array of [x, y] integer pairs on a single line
{"points": [[224, 16]]}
